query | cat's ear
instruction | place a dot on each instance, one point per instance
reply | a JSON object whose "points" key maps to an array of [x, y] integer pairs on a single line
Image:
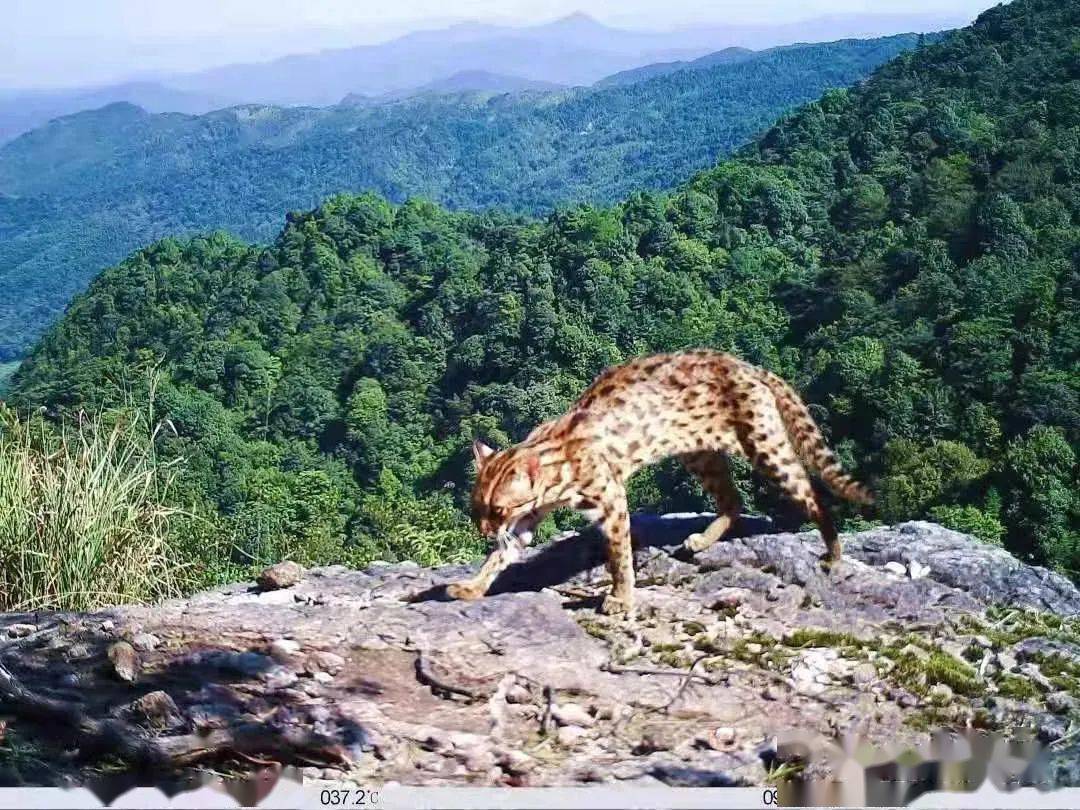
{"points": [[481, 452], [532, 467]]}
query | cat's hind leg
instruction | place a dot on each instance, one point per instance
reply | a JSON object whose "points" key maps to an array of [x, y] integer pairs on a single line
{"points": [[766, 443]]}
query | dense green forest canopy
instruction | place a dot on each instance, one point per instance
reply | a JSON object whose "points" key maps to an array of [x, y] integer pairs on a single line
{"points": [[906, 252], [86, 190]]}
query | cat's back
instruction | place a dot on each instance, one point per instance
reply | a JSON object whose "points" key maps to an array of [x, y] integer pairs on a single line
{"points": [[659, 375]]}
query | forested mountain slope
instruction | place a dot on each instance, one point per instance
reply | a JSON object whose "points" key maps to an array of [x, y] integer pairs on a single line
{"points": [[82, 192], [905, 252]]}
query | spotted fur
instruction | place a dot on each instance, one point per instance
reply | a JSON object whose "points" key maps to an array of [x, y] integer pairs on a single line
{"points": [[701, 406]]}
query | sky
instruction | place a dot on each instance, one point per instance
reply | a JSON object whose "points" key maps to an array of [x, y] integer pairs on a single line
{"points": [[56, 43]]}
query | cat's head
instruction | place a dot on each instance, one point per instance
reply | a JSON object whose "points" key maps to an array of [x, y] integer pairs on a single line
{"points": [[506, 496]]}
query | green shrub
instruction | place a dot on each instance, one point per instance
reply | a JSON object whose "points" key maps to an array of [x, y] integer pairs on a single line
{"points": [[399, 526], [971, 520]]}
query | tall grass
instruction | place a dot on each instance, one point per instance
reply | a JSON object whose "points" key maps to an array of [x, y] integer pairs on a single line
{"points": [[83, 514]]}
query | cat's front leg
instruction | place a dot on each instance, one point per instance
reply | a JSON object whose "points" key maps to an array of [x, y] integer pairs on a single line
{"points": [[508, 549], [615, 524]]}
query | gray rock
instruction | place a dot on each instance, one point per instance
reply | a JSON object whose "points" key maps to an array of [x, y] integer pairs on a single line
{"points": [[571, 735], [1032, 648], [250, 664], [278, 677], [1034, 674], [21, 630], [415, 689], [571, 714], [284, 650], [864, 674], [326, 661], [661, 567], [905, 699], [157, 709], [987, 573], [282, 575], [124, 660], [1051, 727], [1061, 702], [1007, 661], [145, 642]]}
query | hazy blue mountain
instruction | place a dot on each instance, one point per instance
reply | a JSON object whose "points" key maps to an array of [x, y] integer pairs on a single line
{"points": [[83, 191], [817, 29], [23, 111], [575, 50], [572, 51], [726, 56], [467, 81]]}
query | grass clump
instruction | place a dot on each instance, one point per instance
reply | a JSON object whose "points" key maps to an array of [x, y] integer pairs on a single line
{"points": [[846, 643], [932, 718], [786, 771], [918, 674], [1011, 686], [83, 514], [1006, 626], [594, 629], [1061, 672], [742, 652]]}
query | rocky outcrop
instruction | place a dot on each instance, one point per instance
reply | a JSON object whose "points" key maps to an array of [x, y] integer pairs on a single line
{"points": [[745, 663]]}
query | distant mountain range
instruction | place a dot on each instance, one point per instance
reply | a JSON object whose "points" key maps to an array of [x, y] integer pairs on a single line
{"points": [[83, 191], [467, 81], [575, 50], [23, 111], [726, 56]]}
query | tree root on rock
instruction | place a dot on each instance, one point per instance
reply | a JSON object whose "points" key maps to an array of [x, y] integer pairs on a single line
{"points": [[65, 722]]}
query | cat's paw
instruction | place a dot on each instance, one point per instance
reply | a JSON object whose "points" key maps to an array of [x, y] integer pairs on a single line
{"points": [[467, 591], [613, 605], [697, 542], [828, 563]]}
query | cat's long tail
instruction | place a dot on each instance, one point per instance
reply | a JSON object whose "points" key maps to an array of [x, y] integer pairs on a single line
{"points": [[809, 442]]}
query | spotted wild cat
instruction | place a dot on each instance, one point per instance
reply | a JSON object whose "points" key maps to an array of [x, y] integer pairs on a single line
{"points": [[701, 406]]}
